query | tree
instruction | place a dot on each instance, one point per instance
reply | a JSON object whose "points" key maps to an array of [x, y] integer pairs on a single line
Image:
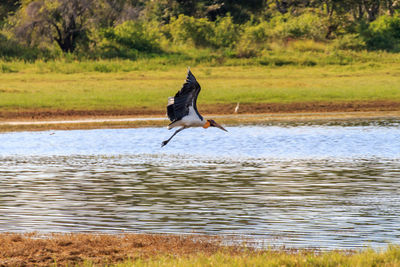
{"points": [[64, 21], [113, 12]]}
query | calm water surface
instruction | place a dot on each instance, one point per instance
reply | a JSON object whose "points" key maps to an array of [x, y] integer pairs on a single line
{"points": [[305, 186]]}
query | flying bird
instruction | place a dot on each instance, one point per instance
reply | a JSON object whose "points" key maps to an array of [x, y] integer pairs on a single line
{"points": [[182, 109]]}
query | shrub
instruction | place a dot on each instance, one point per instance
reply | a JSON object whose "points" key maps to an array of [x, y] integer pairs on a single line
{"points": [[128, 39], [257, 33], [349, 42], [383, 34], [305, 26], [185, 29], [246, 49], [226, 32], [10, 49], [204, 33], [253, 39], [6, 69], [307, 46]]}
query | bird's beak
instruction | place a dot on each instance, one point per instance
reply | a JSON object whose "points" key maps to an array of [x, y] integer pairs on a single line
{"points": [[219, 126]]}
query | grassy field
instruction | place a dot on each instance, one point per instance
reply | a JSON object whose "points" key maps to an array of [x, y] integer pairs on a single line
{"points": [[47, 86]]}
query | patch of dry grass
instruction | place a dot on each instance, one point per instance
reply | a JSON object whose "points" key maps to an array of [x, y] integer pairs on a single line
{"points": [[62, 249]]}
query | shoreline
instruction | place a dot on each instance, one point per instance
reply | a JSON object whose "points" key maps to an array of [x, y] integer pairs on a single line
{"points": [[136, 249], [113, 122]]}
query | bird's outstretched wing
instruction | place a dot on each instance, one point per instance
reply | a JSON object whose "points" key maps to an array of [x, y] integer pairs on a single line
{"points": [[178, 106]]}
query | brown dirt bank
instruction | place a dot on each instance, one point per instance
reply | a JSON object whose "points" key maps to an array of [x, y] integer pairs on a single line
{"points": [[69, 249], [245, 108]]}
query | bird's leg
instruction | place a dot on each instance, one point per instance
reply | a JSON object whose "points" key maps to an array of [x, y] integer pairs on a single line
{"points": [[177, 131]]}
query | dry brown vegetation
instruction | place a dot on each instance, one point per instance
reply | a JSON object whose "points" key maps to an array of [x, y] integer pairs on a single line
{"points": [[67, 249]]}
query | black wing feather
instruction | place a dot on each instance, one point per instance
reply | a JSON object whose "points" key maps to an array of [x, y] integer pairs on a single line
{"points": [[178, 106]]}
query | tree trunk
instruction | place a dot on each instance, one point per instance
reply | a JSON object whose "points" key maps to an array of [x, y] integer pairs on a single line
{"points": [[390, 7], [372, 8], [67, 44], [67, 36], [358, 10]]}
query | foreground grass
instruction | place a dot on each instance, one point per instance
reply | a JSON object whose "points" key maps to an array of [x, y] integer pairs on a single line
{"points": [[33, 249], [149, 89], [367, 257]]}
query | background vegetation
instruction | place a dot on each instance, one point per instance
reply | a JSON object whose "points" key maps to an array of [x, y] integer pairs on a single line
{"points": [[129, 54], [197, 30]]}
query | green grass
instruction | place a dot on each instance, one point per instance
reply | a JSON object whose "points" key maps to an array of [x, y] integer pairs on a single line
{"points": [[367, 257], [30, 87], [301, 71]]}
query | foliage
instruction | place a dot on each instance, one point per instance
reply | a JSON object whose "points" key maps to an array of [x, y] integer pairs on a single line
{"points": [[243, 29], [204, 33], [63, 21], [383, 34], [11, 49], [350, 42], [197, 31], [257, 32], [8, 7], [305, 26], [128, 39], [225, 32]]}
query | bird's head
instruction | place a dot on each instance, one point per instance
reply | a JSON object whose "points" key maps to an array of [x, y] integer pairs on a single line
{"points": [[212, 123]]}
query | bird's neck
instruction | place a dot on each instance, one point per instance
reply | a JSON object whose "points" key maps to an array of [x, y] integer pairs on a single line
{"points": [[206, 124]]}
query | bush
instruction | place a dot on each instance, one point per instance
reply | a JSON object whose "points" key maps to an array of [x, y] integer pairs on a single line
{"points": [[128, 39], [305, 26], [199, 32], [307, 46], [253, 39], [10, 49], [204, 33], [246, 49], [349, 42], [383, 34], [226, 32], [257, 33]]}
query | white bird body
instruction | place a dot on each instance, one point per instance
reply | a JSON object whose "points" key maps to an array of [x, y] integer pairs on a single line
{"points": [[190, 120]]}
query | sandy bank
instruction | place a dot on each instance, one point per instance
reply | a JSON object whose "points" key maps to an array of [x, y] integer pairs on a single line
{"points": [[99, 122], [251, 113]]}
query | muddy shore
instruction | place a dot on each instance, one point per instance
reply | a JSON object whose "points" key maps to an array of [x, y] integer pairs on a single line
{"points": [[219, 109], [27, 120]]}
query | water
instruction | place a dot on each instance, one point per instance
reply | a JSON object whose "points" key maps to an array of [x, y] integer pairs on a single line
{"points": [[305, 186]]}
